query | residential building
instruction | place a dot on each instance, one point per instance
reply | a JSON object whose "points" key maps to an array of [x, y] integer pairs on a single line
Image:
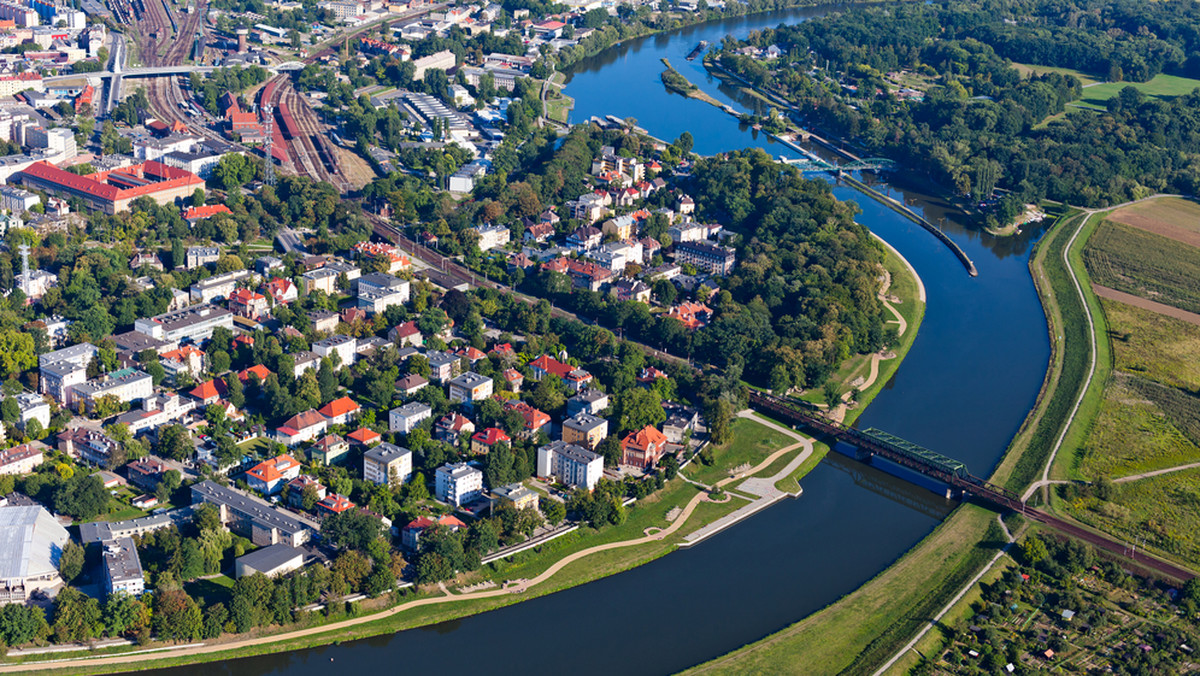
{"points": [[247, 303], [517, 495], [209, 392], [156, 411], [340, 411], [320, 279], [387, 464], [469, 387], [333, 504], [32, 407], [486, 439], [443, 60], [680, 421], [328, 449], [345, 347], [21, 459], [410, 535], [301, 427], [219, 287], [201, 255], [711, 258], [305, 360], [458, 483], [569, 464], [252, 517], [145, 473], [575, 378], [442, 365], [535, 420], [410, 384], [643, 448], [282, 291], [188, 359], [691, 314], [122, 568], [324, 321], [631, 290], [270, 476], [273, 561], [585, 430], [404, 419], [365, 437], [192, 324], [396, 260], [99, 531], [453, 427], [492, 236], [406, 335], [297, 486], [585, 238]]}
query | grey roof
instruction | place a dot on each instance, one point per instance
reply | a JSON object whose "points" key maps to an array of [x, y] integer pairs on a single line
{"points": [[590, 396], [31, 542], [469, 379], [385, 453], [260, 512], [132, 341], [61, 368], [121, 562], [413, 408], [97, 531], [379, 280], [73, 352], [269, 558], [584, 422]]}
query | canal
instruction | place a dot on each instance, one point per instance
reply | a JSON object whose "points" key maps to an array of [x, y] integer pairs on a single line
{"points": [[963, 390]]}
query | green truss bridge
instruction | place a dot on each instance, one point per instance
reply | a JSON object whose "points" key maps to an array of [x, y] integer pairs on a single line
{"points": [[817, 164]]}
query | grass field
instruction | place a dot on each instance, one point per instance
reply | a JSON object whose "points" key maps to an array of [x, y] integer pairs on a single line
{"points": [[1162, 512], [864, 628], [1160, 87], [751, 444], [1027, 69], [1141, 263], [1154, 346], [1132, 435]]}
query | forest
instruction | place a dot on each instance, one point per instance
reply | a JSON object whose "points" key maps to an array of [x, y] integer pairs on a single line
{"points": [[981, 124]]}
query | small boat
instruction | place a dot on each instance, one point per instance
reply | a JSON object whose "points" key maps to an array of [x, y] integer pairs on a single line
{"points": [[699, 48]]}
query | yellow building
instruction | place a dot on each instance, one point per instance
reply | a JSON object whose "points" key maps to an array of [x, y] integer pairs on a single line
{"points": [[585, 430]]}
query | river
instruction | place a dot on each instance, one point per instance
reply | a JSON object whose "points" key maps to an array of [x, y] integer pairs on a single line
{"points": [[963, 390]]}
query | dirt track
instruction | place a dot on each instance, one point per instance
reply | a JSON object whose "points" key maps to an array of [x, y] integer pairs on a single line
{"points": [[1138, 301]]}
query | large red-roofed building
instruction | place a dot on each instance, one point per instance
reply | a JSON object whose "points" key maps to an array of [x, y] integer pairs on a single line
{"points": [[112, 191]]}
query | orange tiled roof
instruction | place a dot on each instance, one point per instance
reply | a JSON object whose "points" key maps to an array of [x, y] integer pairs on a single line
{"points": [[645, 438], [271, 470], [338, 407]]}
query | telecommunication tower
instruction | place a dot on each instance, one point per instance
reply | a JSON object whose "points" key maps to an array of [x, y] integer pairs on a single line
{"points": [[268, 152]]}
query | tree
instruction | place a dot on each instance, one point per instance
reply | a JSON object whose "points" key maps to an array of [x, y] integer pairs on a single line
{"points": [[174, 442], [554, 510], [1033, 550], [125, 615], [82, 496], [10, 412], [176, 616], [548, 394], [352, 529], [70, 562], [76, 617], [17, 353], [309, 497], [684, 143], [206, 517], [638, 408], [21, 624]]}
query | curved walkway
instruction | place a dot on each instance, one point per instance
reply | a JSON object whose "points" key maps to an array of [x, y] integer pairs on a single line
{"points": [[450, 597]]}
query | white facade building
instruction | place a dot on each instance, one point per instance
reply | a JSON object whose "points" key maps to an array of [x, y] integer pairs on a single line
{"points": [[458, 483]]}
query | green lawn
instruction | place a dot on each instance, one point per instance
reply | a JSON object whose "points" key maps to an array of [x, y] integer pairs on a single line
{"points": [[1161, 87], [1027, 69], [212, 589], [1132, 435], [751, 444], [259, 445]]}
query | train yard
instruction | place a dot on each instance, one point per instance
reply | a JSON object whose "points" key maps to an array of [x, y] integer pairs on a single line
{"points": [[298, 139]]}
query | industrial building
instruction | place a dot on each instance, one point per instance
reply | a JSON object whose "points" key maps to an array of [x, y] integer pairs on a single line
{"points": [[112, 191]]}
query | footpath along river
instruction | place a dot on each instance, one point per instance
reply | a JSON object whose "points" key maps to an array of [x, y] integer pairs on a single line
{"points": [[963, 390]]}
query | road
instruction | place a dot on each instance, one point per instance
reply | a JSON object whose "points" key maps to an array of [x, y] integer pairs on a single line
{"points": [[289, 240]]}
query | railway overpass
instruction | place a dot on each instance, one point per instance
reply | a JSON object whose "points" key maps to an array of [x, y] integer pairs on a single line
{"points": [[954, 474]]}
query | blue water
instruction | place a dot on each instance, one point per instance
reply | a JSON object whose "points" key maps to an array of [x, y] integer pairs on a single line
{"points": [[963, 390]]}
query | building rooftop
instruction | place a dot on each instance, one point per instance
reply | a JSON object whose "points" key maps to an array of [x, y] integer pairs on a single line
{"points": [[259, 511], [121, 560], [270, 558], [385, 453], [31, 542]]}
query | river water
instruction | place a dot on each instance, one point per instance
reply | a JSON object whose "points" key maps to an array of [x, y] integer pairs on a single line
{"points": [[963, 390]]}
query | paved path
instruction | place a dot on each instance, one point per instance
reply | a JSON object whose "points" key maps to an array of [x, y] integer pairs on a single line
{"points": [[763, 487], [518, 587], [957, 597], [1045, 480]]}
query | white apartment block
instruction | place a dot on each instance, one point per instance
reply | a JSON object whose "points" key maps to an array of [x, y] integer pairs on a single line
{"points": [[405, 419], [458, 483], [387, 464], [569, 464]]}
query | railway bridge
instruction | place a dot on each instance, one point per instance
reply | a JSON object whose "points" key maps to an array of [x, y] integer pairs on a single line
{"points": [[961, 483]]}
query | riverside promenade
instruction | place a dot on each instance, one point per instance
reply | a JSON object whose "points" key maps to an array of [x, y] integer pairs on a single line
{"points": [[762, 487]]}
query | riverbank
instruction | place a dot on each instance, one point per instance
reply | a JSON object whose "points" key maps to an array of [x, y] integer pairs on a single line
{"points": [[679, 516]]}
